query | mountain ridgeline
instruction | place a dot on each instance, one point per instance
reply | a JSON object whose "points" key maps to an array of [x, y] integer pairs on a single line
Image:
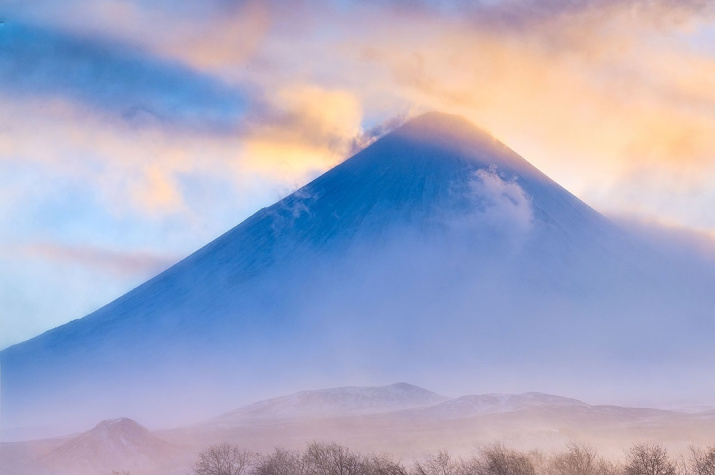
{"points": [[435, 255]]}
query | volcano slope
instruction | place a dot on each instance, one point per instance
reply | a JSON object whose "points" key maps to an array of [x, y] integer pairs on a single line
{"points": [[436, 255]]}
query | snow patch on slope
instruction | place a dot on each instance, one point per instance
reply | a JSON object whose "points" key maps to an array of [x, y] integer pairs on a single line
{"points": [[343, 401]]}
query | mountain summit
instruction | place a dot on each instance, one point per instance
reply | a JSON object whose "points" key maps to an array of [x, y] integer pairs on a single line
{"points": [[435, 255]]}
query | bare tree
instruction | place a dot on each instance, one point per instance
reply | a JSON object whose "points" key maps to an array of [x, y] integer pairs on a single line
{"points": [[383, 464], [579, 459], [440, 463], [331, 459], [649, 459], [499, 460], [702, 462], [281, 462], [224, 459]]}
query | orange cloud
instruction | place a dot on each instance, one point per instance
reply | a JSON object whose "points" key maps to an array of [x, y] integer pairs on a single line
{"points": [[607, 91], [592, 92], [138, 168], [312, 131]]}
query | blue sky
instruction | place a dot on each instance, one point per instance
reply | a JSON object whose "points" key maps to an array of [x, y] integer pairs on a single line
{"points": [[134, 131]]}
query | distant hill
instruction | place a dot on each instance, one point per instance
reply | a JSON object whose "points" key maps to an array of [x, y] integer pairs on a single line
{"points": [[337, 402], [402, 419], [120, 445]]}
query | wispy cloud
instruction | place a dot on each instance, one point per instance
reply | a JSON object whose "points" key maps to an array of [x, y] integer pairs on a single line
{"points": [[133, 264], [504, 203], [613, 85], [40, 62], [210, 34], [612, 88]]}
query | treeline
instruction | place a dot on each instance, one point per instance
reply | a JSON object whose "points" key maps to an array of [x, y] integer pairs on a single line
{"points": [[494, 459]]}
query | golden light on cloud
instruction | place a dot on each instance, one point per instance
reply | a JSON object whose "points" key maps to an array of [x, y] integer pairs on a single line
{"points": [[313, 132], [157, 192], [591, 92], [230, 40], [588, 100], [130, 170]]}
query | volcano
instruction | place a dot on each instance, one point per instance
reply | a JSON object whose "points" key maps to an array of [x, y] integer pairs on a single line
{"points": [[436, 255]]}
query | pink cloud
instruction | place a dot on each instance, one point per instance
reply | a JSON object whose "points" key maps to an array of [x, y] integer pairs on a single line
{"points": [[107, 261]]}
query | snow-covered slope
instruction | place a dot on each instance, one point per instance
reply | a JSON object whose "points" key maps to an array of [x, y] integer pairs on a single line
{"points": [[436, 255]]}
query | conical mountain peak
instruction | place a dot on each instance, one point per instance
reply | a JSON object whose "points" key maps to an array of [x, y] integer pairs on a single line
{"points": [[432, 212], [433, 124], [432, 144], [434, 163]]}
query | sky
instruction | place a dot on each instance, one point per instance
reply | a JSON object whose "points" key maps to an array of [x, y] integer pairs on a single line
{"points": [[132, 132]]}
